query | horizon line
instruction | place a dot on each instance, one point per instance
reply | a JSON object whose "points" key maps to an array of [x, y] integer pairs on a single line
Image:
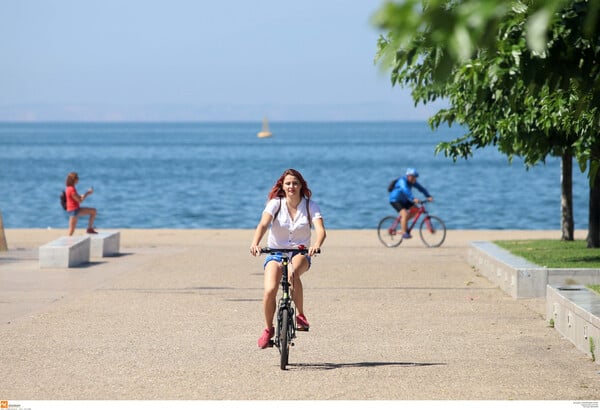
{"points": [[203, 121]]}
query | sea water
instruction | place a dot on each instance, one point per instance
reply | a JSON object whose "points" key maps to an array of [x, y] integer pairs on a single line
{"points": [[217, 175]]}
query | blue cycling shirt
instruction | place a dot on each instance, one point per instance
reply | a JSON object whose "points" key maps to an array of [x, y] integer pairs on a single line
{"points": [[403, 190]]}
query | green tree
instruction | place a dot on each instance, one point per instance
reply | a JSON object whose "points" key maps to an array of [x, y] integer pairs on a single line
{"points": [[459, 29], [527, 100]]}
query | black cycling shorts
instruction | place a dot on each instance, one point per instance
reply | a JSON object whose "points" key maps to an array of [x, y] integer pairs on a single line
{"points": [[398, 206]]}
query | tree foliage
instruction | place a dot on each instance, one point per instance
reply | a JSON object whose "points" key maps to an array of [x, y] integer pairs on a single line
{"points": [[521, 76], [461, 28], [527, 103]]}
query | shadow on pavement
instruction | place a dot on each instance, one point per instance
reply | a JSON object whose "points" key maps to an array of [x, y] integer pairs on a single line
{"points": [[332, 366]]}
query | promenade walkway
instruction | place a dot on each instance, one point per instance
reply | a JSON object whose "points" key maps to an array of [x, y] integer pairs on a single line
{"points": [[177, 316]]}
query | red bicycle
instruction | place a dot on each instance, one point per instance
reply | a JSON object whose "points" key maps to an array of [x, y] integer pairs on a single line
{"points": [[432, 229]]}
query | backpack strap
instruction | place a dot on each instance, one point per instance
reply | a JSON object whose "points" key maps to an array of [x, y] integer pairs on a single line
{"points": [[278, 209]]}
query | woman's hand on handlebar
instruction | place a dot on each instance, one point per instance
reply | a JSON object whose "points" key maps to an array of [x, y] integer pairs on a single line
{"points": [[255, 250], [313, 250]]}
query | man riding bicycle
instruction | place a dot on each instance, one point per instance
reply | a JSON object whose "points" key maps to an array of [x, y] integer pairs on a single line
{"points": [[402, 199]]}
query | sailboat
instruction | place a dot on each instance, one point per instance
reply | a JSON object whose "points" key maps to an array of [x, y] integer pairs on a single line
{"points": [[265, 133]]}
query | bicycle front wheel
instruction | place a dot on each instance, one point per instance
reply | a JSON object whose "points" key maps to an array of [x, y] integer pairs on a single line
{"points": [[432, 231], [388, 232], [284, 347]]}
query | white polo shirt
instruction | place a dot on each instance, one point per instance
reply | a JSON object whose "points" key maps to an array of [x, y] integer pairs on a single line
{"points": [[285, 232]]}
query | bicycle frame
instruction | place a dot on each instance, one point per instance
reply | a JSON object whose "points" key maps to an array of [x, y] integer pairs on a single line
{"points": [[432, 229], [285, 304], [409, 227]]}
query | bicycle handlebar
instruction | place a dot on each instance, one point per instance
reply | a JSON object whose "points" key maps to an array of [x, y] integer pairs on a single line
{"points": [[422, 201], [301, 250]]}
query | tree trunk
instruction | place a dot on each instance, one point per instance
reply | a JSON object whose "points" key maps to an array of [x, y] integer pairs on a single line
{"points": [[566, 198], [593, 238]]}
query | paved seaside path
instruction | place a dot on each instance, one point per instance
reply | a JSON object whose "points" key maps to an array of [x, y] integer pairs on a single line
{"points": [[177, 316]]}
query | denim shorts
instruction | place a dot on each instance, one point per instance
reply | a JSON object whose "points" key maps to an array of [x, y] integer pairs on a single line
{"points": [[74, 212], [277, 258]]}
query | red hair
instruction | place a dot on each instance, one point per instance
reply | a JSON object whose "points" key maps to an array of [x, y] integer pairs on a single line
{"points": [[277, 190]]}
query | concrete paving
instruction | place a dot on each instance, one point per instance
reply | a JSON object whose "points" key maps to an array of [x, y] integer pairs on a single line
{"points": [[177, 314]]}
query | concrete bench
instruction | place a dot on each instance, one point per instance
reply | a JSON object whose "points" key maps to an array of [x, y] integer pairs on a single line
{"points": [[521, 278], [513, 274], [575, 312], [65, 252], [105, 244]]}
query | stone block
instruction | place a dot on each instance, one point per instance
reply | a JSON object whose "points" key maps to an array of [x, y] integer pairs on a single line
{"points": [[105, 244], [65, 252], [575, 314]]}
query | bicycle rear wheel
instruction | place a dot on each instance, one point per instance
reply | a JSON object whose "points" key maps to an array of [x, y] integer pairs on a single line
{"points": [[284, 347], [388, 232], [432, 231]]}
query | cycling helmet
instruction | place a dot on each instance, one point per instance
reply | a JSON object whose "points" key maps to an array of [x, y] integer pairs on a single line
{"points": [[412, 171]]}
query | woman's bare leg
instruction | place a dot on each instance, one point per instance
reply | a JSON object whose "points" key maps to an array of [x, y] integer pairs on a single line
{"points": [[271, 280], [72, 224], [300, 265], [92, 214]]}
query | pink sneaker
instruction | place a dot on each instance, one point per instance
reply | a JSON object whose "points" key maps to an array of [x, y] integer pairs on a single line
{"points": [[265, 339], [301, 323]]}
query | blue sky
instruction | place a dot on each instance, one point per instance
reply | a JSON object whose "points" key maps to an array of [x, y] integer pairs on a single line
{"points": [[185, 60]]}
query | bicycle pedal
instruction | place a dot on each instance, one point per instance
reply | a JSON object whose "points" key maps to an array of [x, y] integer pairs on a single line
{"points": [[271, 343], [302, 329]]}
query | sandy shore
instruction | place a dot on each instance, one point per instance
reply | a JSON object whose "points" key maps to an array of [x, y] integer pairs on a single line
{"points": [[177, 315]]}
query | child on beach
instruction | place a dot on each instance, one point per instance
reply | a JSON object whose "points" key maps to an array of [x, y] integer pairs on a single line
{"points": [[74, 209], [288, 215]]}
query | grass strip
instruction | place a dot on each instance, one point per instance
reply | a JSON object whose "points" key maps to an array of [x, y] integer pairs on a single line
{"points": [[554, 253]]}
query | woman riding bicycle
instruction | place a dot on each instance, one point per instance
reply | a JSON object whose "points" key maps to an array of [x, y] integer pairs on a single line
{"points": [[402, 199], [290, 214]]}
